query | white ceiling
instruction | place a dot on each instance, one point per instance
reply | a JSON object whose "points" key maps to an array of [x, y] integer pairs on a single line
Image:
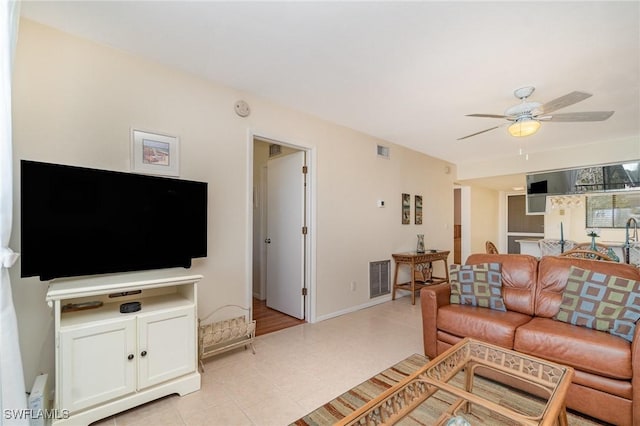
{"points": [[406, 72]]}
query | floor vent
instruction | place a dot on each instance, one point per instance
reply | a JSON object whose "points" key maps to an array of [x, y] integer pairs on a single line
{"points": [[383, 151], [379, 273]]}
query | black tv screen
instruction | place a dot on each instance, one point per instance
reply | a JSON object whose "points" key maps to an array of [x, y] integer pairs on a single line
{"points": [[538, 187], [78, 221]]}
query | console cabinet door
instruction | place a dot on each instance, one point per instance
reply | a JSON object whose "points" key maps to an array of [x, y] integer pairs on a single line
{"points": [[166, 346], [98, 363]]}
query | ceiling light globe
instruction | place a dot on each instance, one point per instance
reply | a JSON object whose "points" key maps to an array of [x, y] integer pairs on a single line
{"points": [[525, 127]]}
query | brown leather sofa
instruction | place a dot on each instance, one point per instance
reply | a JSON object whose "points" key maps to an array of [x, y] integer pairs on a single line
{"points": [[606, 384]]}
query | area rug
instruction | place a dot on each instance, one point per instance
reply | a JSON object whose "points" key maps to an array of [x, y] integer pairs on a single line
{"points": [[428, 412]]}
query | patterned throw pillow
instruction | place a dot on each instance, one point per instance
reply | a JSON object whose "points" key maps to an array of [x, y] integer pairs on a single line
{"points": [[477, 285], [601, 302]]}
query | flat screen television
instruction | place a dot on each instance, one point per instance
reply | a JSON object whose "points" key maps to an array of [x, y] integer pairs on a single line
{"points": [[79, 221]]}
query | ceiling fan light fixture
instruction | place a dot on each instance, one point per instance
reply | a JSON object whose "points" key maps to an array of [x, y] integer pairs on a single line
{"points": [[524, 127], [527, 115]]}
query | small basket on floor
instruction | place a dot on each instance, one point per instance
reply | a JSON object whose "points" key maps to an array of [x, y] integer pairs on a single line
{"points": [[223, 335]]}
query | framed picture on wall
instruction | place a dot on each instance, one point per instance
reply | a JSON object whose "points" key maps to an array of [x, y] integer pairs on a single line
{"points": [[406, 209], [418, 208], [154, 153]]}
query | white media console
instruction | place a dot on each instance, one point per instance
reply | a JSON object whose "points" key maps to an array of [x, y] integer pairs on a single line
{"points": [[107, 361]]}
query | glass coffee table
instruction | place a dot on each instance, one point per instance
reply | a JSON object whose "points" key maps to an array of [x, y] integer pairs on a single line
{"points": [[435, 393]]}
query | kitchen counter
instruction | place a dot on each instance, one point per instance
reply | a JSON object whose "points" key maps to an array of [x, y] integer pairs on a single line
{"points": [[530, 246]]}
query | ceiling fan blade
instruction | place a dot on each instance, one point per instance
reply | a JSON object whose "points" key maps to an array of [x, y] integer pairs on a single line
{"points": [[486, 115], [477, 133], [579, 116], [564, 101]]}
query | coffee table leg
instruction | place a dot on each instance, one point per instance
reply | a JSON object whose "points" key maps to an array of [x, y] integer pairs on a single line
{"points": [[468, 386], [562, 417]]}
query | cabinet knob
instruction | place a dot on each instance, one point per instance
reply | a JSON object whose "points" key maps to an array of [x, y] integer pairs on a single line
{"points": [[130, 357], [143, 353]]}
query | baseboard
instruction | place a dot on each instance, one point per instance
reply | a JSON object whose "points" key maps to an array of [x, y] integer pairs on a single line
{"points": [[373, 302]]}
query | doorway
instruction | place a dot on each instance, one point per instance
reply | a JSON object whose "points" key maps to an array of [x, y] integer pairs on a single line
{"points": [[280, 267], [462, 223], [269, 320], [457, 226], [521, 225]]}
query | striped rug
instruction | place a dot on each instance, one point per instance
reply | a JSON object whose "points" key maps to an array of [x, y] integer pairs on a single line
{"points": [[428, 412]]}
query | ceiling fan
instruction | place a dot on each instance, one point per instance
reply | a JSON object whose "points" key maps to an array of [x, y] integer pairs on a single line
{"points": [[527, 116]]}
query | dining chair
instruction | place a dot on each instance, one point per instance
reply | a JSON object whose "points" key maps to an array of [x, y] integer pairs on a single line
{"points": [[587, 254], [490, 248], [553, 247]]}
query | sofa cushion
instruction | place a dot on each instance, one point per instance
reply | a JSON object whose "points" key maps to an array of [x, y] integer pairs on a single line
{"points": [[553, 273], [581, 348], [519, 276], [477, 285], [484, 324], [601, 302]]}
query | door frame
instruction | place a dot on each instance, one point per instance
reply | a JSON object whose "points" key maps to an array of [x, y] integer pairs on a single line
{"points": [[465, 219], [310, 245]]}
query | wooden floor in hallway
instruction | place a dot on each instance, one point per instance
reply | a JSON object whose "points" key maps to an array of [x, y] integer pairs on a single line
{"points": [[269, 320]]}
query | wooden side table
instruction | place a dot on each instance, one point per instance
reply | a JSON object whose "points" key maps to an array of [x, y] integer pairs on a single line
{"points": [[418, 262]]}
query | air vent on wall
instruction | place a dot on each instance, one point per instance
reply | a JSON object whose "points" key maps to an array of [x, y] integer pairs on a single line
{"points": [[383, 151], [379, 278]]}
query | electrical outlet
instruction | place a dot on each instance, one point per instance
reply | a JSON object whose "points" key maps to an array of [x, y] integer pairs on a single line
{"points": [[353, 286]]}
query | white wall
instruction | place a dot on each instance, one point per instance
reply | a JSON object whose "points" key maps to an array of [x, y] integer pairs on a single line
{"points": [[611, 151], [75, 103]]}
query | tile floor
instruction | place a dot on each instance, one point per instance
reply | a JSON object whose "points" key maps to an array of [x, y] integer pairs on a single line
{"points": [[293, 372]]}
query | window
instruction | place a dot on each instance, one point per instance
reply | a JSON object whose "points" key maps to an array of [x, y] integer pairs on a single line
{"points": [[612, 210]]}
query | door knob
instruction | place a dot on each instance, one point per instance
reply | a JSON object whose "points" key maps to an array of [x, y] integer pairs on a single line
{"points": [[143, 353], [130, 357], [267, 240]]}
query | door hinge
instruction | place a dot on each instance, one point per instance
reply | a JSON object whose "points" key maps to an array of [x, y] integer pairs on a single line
{"points": [[304, 291], [304, 170], [304, 230]]}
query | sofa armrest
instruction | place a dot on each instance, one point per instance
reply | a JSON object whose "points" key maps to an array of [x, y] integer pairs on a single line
{"points": [[635, 375], [431, 298]]}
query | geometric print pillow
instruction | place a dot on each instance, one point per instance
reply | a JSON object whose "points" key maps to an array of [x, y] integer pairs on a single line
{"points": [[477, 285], [601, 302]]}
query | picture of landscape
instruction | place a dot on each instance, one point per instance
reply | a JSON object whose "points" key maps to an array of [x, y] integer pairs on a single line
{"points": [[155, 152]]}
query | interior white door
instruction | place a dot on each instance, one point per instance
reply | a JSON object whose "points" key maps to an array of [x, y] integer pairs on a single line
{"points": [[285, 240]]}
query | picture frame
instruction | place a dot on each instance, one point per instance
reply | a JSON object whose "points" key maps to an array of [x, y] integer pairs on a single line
{"points": [[406, 209], [418, 210], [155, 153]]}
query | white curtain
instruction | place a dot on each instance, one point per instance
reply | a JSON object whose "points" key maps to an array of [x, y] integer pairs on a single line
{"points": [[12, 389]]}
